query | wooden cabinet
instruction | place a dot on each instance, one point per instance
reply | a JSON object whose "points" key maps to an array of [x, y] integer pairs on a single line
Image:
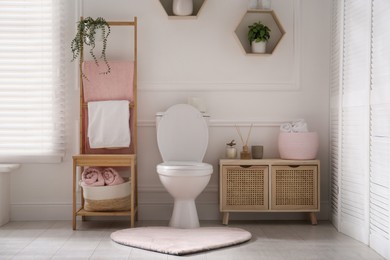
{"points": [[269, 185]]}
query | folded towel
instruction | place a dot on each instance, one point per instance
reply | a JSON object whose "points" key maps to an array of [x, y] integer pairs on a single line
{"points": [[112, 177], [108, 124], [92, 176], [298, 126], [286, 128]]}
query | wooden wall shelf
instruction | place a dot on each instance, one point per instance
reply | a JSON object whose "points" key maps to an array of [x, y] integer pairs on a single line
{"points": [[268, 18], [167, 6]]}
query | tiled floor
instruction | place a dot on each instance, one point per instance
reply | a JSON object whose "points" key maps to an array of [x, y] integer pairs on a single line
{"points": [[271, 240]]}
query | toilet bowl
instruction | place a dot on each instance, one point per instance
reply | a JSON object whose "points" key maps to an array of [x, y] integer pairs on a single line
{"points": [[182, 137]]}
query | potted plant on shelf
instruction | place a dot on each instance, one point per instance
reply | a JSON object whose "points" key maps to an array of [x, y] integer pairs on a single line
{"points": [[258, 35], [88, 31]]}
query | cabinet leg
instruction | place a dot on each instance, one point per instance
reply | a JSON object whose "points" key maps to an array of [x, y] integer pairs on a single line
{"points": [[225, 219], [132, 219], [313, 218]]}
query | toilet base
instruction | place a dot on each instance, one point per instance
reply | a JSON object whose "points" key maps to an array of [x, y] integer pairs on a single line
{"points": [[184, 214]]}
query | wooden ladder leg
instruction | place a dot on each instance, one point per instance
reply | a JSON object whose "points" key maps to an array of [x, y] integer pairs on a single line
{"points": [[313, 218], [133, 194], [74, 196]]}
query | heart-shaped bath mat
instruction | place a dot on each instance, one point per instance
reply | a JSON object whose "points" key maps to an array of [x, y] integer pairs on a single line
{"points": [[176, 241]]}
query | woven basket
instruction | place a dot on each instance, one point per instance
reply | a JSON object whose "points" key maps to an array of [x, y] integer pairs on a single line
{"points": [[107, 198], [298, 146]]}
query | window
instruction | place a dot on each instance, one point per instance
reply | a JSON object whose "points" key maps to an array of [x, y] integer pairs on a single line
{"points": [[31, 81]]}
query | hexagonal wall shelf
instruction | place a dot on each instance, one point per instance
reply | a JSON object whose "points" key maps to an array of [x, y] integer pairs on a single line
{"points": [[268, 18], [167, 5]]}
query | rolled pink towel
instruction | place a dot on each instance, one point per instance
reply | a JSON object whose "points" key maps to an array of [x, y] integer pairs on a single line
{"points": [[112, 177], [92, 176]]}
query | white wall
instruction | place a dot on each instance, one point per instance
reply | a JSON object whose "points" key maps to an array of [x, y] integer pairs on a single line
{"points": [[202, 58]]}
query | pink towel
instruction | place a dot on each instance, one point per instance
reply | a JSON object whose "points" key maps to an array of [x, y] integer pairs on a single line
{"points": [[92, 177], [112, 177], [116, 85]]}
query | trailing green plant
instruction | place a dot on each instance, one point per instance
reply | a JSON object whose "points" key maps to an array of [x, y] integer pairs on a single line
{"points": [[86, 36], [258, 32]]}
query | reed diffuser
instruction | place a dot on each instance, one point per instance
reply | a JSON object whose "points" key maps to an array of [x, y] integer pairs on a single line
{"points": [[245, 154]]}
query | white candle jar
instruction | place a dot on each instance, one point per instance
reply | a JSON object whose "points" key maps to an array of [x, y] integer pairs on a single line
{"points": [[231, 152]]}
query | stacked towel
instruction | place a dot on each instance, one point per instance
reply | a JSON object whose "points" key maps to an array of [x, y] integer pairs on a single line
{"points": [[298, 126], [112, 177], [93, 176]]}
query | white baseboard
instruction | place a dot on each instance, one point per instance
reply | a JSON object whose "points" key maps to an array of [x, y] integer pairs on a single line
{"points": [[154, 206]]}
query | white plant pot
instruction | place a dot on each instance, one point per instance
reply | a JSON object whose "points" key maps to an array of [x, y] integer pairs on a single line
{"points": [[182, 7], [259, 47]]}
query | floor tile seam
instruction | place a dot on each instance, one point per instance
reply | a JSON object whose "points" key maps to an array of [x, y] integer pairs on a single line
{"points": [[109, 237], [62, 246], [100, 241], [37, 236]]}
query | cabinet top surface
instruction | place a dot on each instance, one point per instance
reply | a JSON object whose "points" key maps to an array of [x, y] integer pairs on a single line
{"points": [[267, 161]]}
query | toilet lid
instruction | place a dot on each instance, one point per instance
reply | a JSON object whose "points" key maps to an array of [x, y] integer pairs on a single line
{"points": [[182, 134]]}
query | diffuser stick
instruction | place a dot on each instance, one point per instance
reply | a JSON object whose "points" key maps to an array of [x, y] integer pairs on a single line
{"points": [[245, 154], [239, 133], [249, 134]]}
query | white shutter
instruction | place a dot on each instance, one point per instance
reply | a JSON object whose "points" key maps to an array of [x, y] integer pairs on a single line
{"points": [[335, 88], [355, 120], [31, 81], [380, 129]]}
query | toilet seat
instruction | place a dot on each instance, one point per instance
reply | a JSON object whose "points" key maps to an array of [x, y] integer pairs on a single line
{"points": [[182, 134], [174, 168]]}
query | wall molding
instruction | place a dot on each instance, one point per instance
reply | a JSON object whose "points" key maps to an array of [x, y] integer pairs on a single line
{"points": [[227, 123], [200, 86], [203, 86]]}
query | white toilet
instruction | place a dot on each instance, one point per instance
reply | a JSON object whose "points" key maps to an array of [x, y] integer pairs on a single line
{"points": [[182, 137]]}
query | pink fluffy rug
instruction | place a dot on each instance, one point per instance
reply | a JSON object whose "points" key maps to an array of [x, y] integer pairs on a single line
{"points": [[180, 241]]}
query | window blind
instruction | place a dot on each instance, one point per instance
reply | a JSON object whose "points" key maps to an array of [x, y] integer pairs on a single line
{"points": [[380, 129], [355, 120], [335, 87], [364, 172], [31, 81]]}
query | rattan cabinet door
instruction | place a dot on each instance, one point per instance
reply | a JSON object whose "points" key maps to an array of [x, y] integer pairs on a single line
{"points": [[294, 188], [244, 188]]}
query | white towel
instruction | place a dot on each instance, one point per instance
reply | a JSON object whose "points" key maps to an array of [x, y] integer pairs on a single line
{"points": [[286, 128], [108, 124], [298, 126]]}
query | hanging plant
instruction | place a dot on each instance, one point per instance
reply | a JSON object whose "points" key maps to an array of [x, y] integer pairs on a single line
{"points": [[86, 36]]}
